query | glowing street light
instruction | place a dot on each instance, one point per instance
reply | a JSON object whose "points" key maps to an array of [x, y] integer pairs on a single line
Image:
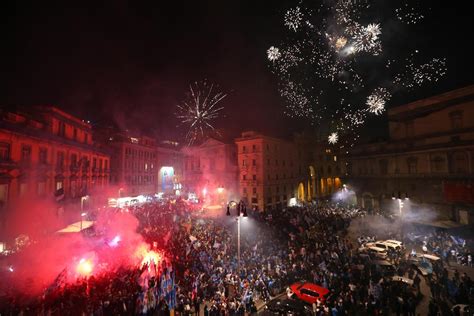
{"points": [[241, 212]]}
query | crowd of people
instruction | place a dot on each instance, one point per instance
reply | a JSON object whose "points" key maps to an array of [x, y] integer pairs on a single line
{"points": [[306, 243]]}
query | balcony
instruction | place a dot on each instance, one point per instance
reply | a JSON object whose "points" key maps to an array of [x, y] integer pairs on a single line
{"points": [[8, 164]]}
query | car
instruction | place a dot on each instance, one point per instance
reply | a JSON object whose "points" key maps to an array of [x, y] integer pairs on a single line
{"points": [[396, 242], [385, 245], [287, 307], [309, 292], [374, 252]]}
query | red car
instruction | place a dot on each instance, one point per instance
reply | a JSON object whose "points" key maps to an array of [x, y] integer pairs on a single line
{"points": [[309, 292]]}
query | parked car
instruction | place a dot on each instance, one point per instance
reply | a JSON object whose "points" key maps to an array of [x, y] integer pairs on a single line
{"points": [[287, 307], [308, 292], [385, 245], [374, 252], [396, 242]]}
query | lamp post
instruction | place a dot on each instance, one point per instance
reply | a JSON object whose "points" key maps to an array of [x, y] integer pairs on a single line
{"points": [[82, 215], [241, 212], [400, 209], [84, 198]]}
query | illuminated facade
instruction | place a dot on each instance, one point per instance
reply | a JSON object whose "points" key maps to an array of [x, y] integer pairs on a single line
{"points": [[45, 152], [170, 170], [210, 169], [134, 168], [270, 171], [324, 167], [429, 157]]}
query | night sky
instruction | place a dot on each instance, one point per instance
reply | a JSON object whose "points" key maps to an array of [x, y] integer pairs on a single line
{"points": [[133, 61]]}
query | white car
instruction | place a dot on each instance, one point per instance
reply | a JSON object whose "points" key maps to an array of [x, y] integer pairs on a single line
{"points": [[374, 251], [384, 245], [396, 242]]}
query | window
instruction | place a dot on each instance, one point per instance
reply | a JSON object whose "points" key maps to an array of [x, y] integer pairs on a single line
{"points": [[437, 164], [254, 177], [254, 190], [244, 162], [309, 292], [254, 201], [244, 177], [244, 190], [383, 165], [409, 129], [244, 149], [62, 129], [75, 134], [106, 165], [269, 200], [254, 162], [73, 160], [254, 148], [4, 151], [277, 189], [412, 165], [43, 156], [460, 162], [86, 138], [26, 153], [456, 119], [335, 158], [60, 159]]}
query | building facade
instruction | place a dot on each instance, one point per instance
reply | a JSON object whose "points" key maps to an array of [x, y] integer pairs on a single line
{"points": [[210, 170], [428, 158], [270, 170], [134, 169], [45, 152], [170, 170]]}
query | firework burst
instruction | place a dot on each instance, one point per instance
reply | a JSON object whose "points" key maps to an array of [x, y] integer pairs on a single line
{"points": [[333, 138], [199, 110], [273, 53], [377, 100], [293, 18]]}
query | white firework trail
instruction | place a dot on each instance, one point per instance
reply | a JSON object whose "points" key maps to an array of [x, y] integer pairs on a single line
{"points": [[199, 110]]}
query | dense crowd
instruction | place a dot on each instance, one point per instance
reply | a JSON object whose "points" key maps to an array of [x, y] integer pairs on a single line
{"points": [[306, 243]]}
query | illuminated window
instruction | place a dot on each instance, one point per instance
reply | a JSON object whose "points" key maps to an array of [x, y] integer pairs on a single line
{"points": [[335, 158]]}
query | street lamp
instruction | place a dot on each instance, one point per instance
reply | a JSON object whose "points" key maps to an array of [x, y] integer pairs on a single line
{"points": [[84, 198], [82, 215], [241, 212]]}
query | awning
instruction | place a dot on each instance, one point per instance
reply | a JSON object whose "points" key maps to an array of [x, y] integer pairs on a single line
{"points": [[76, 227]]}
